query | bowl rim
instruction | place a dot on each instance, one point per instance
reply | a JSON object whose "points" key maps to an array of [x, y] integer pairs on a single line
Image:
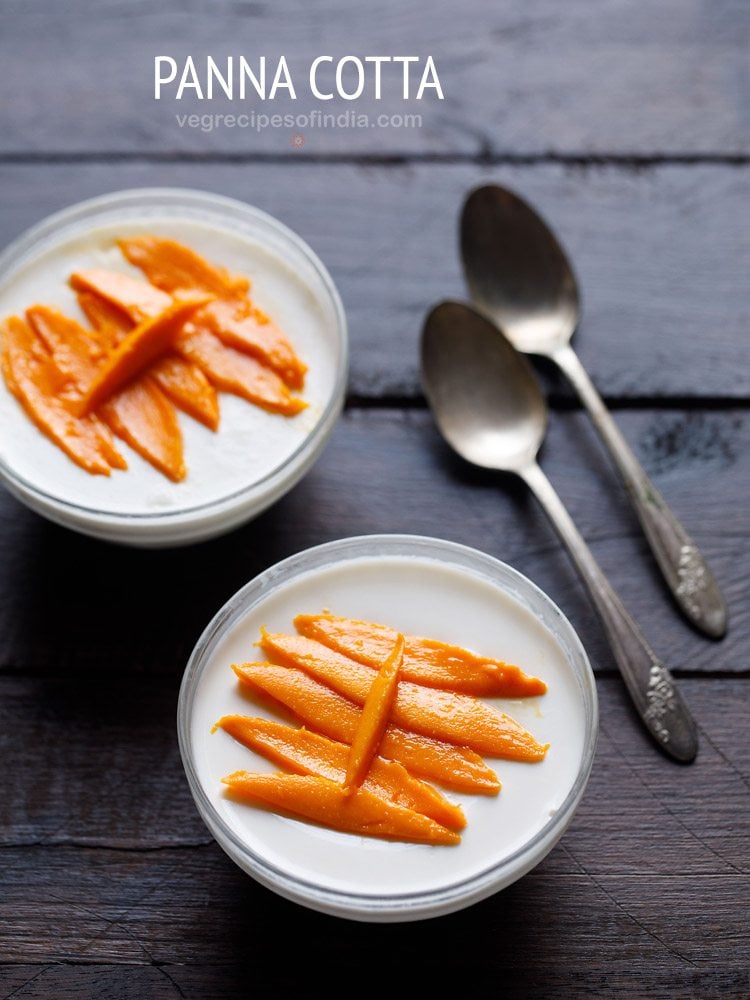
{"points": [[37, 236], [390, 906]]}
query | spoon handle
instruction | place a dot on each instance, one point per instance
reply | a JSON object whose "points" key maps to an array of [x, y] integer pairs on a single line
{"points": [[685, 570], [650, 684]]}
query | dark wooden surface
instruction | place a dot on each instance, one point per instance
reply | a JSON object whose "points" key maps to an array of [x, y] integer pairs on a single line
{"points": [[627, 124]]}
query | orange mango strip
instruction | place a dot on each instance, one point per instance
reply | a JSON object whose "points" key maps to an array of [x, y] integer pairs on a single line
{"points": [[316, 705], [238, 373], [255, 333], [149, 340], [227, 368], [135, 297], [144, 417], [426, 661], [139, 413], [184, 383], [110, 322], [310, 797], [188, 387], [305, 752], [34, 379], [374, 718], [443, 715], [172, 266]]}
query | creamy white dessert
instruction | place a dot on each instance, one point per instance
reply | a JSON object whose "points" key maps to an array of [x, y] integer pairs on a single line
{"points": [[419, 596], [249, 444]]}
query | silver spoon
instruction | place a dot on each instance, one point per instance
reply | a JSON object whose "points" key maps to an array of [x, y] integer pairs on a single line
{"points": [[488, 406], [519, 276]]}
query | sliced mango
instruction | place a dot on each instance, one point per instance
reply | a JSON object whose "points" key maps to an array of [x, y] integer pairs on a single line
{"points": [[238, 373], [375, 715], [172, 266], [184, 383], [135, 297], [426, 661], [305, 752], [336, 717], [36, 382], [251, 331], [310, 797], [228, 369], [444, 715], [139, 413], [151, 339], [188, 387]]}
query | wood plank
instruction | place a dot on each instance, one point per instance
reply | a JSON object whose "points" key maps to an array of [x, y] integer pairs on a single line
{"points": [[388, 471], [636, 78], [160, 981], [176, 908], [70, 982], [662, 255], [96, 767]]}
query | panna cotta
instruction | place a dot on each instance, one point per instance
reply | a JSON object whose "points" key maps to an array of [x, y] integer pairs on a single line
{"points": [[421, 587], [254, 456]]}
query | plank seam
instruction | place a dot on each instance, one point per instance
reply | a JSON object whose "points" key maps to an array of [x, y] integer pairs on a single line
{"points": [[630, 161], [396, 401]]}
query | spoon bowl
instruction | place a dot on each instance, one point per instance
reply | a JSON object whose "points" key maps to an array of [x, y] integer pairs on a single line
{"points": [[517, 272], [483, 393]]}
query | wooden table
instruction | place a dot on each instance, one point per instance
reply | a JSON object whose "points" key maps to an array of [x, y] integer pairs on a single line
{"points": [[627, 125]]}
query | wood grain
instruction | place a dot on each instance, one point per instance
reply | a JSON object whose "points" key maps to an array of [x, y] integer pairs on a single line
{"points": [[623, 978], [662, 256], [388, 471], [537, 78]]}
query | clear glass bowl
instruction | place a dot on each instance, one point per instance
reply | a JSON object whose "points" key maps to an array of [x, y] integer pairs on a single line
{"points": [[421, 585], [193, 521]]}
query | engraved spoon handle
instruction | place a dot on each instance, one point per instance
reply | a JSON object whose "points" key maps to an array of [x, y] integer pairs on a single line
{"points": [[650, 684], [685, 570]]}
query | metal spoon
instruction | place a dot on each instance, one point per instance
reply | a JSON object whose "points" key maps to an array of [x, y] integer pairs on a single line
{"points": [[488, 406], [519, 276]]}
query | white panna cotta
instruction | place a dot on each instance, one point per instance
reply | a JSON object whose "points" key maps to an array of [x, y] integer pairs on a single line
{"points": [[420, 587], [251, 445]]}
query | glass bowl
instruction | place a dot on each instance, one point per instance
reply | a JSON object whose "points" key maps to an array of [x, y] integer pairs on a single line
{"points": [[255, 457], [420, 586]]}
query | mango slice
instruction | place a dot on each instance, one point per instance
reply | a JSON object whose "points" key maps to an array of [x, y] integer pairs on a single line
{"points": [[228, 369], [36, 382], [184, 383], [444, 715], [238, 373], [188, 388], [109, 321], [426, 661], [314, 798], [375, 715], [232, 317], [332, 715], [172, 266], [152, 338], [305, 752], [139, 413], [137, 298], [145, 419], [251, 331]]}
